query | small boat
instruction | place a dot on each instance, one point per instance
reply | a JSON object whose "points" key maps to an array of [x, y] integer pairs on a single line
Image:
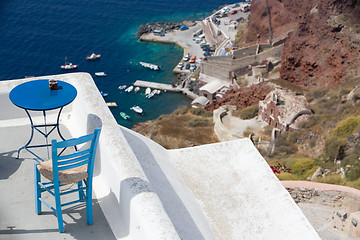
{"points": [[151, 66], [147, 91], [104, 94], [137, 109], [124, 115], [136, 89], [100, 74], [150, 95], [111, 104], [129, 89], [93, 56], [121, 87], [158, 91], [68, 66]]}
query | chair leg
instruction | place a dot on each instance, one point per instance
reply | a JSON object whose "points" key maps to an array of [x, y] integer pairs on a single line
{"points": [[37, 189], [89, 216], [58, 208], [81, 193]]}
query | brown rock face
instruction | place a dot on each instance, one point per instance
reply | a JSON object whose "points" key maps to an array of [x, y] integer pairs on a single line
{"points": [[242, 98], [323, 43]]}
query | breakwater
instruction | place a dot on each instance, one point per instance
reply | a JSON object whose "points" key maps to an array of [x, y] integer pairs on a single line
{"points": [[165, 27]]}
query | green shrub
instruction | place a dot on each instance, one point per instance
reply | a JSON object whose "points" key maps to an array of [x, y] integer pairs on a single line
{"points": [[250, 112], [354, 172], [275, 69], [250, 73], [334, 147], [331, 179], [200, 112], [346, 127], [181, 110], [354, 184], [292, 137], [301, 165], [199, 122], [287, 176], [316, 94]]}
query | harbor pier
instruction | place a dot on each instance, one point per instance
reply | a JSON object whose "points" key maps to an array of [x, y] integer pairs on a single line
{"points": [[165, 87]]}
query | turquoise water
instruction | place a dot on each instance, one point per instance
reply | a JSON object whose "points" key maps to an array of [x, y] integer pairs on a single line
{"points": [[36, 36]]}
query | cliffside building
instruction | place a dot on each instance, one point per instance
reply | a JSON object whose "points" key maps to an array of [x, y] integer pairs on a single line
{"points": [[284, 109]]}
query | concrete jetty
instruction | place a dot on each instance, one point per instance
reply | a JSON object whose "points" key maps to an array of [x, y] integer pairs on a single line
{"points": [[165, 87], [154, 85]]}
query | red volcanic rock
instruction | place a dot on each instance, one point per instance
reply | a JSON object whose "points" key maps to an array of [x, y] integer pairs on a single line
{"points": [[322, 47], [241, 98]]}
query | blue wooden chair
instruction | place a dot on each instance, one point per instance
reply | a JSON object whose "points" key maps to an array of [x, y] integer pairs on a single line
{"points": [[75, 168]]}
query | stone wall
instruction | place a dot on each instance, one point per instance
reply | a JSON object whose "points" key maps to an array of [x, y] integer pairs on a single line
{"points": [[222, 66], [243, 52]]}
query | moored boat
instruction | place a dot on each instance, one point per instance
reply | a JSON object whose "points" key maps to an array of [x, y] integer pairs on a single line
{"points": [[111, 104], [121, 87], [124, 115], [137, 109], [136, 89], [147, 91], [68, 66], [104, 94], [93, 56], [100, 74], [129, 89], [151, 66]]}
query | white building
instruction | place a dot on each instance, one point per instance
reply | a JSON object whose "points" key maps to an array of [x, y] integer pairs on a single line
{"points": [[217, 191]]}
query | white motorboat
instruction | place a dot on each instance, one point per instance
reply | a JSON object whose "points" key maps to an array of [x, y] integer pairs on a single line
{"points": [[147, 91], [129, 89], [137, 109], [121, 87], [149, 65], [100, 74], [150, 95], [93, 56], [136, 89]]}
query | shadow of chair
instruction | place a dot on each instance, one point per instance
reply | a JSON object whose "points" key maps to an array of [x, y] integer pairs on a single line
{"points": [[62, 170]]}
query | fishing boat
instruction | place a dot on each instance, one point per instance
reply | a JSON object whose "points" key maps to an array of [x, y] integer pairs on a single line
{"points": [[124, 115], [137, 109], [68, 66], [100, 74], [111, 104], [151, 66], [129, 89], [93, 56], [121, 87], [136, 89]]}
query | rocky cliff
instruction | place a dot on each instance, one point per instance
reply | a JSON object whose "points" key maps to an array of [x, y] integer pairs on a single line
{"points": [[323, 43]]}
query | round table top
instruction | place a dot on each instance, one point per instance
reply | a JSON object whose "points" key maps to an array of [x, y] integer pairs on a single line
{"points": [[37, 96]]}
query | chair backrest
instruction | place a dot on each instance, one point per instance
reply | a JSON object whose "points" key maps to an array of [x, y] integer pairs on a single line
{"points": [[78, 158]]}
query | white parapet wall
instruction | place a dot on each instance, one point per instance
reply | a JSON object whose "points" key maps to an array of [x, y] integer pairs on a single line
{"points": [[217, 191]]}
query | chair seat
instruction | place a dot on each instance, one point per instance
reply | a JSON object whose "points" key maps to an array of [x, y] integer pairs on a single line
{"points": [[73, 175]]}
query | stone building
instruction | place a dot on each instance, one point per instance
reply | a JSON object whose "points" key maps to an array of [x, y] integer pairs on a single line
{"points": [[284, 109]]}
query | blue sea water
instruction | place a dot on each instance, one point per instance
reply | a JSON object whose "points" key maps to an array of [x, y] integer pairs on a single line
{"points": [[36, 36]]}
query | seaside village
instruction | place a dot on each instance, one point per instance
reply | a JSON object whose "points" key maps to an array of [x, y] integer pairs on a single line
{"points": [[212, 66], [127, 186]]}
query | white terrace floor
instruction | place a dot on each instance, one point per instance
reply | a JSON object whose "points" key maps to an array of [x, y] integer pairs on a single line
{"points": [[18, 219]]}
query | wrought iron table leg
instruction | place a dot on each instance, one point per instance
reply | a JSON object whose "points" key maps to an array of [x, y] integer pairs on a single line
{"points": [[31, 137]]}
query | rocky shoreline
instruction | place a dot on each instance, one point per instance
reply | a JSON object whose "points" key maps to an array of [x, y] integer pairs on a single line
{"points": [[165, 27]]}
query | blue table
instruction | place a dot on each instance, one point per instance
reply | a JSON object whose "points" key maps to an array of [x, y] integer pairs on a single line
{"points": [[37, 96]]}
